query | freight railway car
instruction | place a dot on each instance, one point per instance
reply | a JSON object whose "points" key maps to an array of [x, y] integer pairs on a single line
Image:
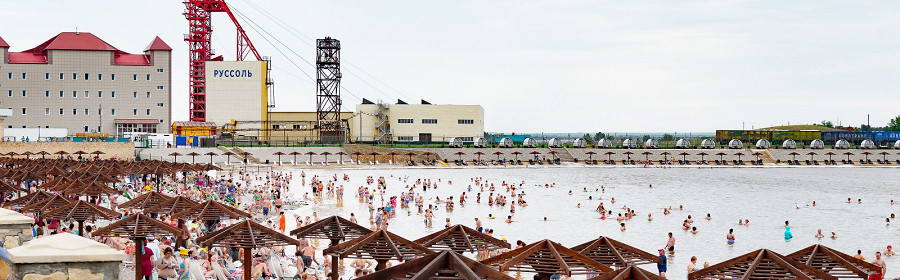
{"points": [[881, 138], [856, 137], [746, 136]]}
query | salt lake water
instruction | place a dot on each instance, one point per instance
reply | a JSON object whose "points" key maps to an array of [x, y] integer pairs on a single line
{"points": [[766, 196]]}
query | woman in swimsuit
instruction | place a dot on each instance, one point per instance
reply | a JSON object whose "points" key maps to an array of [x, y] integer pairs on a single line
{"points": [[730, 236]]}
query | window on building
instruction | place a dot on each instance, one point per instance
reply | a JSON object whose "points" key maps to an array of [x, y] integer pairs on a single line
{"points": [[99, 77], [429, 121], [23, 75], [87, 94], [159, 87], [61, 76], [99, 94], [24, 111], [74, 111], [148, 112], [404, 120], [10, 93], [86, 76], [85, 128], [159, 70], [135, 94], [74, 76], [74, 94], [148, 95], [60, 94], [134, 77], [100, 112], [134, 112], [465, 121], [405, 138], [112, 112], [9, 76], [466, 139], [86, 112], [148, 77], [46, 76], [46, 111], [61, 111], [299, 126], [112, 94], [24, 93], [112, 77], [159, 104], [47, 94]]}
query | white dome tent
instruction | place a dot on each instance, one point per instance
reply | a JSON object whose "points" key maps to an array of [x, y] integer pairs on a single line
{"points": [[629, 143], [789, 144], [897, 144], [841, 144], [579, 143], [480, 142], [817, 144], [708, 144], [605, 143], [554, 143], [651, 144], [735, 144], [529, 143], [505, 142], [867, 144], [763, 144], [683, 144], [456, 142]]}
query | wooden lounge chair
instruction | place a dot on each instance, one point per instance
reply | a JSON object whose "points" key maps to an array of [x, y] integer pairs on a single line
{"points": [[869, 161], [862, 161], [595, 162], [717, 162], [759, 162], [796, 162], [632, 162], [815, 162], [808, 163]]}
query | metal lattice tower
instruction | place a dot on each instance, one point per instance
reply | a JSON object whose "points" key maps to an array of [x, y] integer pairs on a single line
{"points": [[328, 89]]}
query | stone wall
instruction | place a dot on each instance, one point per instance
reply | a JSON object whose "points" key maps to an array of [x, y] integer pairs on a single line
{"points": [[14, 235], [120, 150], [64, 271]]}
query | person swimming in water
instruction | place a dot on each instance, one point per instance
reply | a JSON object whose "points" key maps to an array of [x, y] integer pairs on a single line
{"points": [[787, 231], [730, 236], [819, 235]]}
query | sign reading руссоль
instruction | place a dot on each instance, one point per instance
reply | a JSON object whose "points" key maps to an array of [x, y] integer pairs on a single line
{"points": [[232, 73]]}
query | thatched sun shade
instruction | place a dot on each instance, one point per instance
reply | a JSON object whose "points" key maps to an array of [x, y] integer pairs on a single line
{"points": [[760, 264], [459, 239], [546, 258], [833, 262], [614, 253], [445, 265]]}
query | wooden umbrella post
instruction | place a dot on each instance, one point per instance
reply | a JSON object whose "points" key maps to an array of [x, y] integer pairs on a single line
{"points": [[381, 264], [179, 239], [138, 257], [334, 261], [248, 263]]}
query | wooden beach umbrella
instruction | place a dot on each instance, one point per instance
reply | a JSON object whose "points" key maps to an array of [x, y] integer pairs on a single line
{"points": [[295, 153], [228, 155], [834, 262], [665, 155], [279, 154], [479, 155], [684, 156], [210, 154], [609, 155], [193, 155], [702, 155], [445, 265], [80, 152], [628, 154], [829, 154], [27, 154], [173, 205], [757, 154], [326, 155], [459, 239], [760, 264], [811, 155], [335, 229], [310, 154], [553, 153], [884, 154], [81, 211], [46, 205], [848, 154], [97, 153], [459, 154], [721, 156], [139, 227], [610, 252], [211, 210], [630, 272], [374, 154], [245, 154], [516, 154], [380, 246], [739, 154], [342, 153], [43, 154], [357, 154], [498, 153], [11, 154], [867, 155], [546, 258], [794, 155], [61, 153], [175, 154], [147, 200], [427, 155], [247, 235], [28, 199], [646, 155], [410, 154]]}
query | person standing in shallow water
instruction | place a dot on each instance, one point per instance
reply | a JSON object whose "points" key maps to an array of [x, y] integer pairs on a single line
{"points": [[662, 264], [787, 231]]}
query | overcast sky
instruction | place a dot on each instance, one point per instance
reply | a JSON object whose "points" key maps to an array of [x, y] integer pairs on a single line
{"points": [[554, 66]]}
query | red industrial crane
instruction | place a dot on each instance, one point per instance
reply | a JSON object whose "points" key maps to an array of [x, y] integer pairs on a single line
{"points": [[198, 14]]}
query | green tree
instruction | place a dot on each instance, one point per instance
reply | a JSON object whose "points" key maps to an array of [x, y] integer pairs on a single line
{"points": [[828, 124], [587, 138], [894, 124], [668, 137], [599, 136], [864, 127], [646, 137]]}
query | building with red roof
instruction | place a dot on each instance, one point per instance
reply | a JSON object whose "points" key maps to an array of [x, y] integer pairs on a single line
{"points": [[77, 81]]}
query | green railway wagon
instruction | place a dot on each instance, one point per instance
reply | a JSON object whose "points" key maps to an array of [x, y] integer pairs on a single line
{"points": [[746, 136], [804, 136]]}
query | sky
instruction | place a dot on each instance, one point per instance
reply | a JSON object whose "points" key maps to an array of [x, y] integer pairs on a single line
{"points": [[542, 66]]}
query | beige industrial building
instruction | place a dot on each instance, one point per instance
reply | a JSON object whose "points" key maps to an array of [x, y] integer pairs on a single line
{"points": [[79, 82], [421, 123]]}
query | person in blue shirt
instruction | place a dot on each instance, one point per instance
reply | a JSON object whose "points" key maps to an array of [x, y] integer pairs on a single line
{"points": [[662, 264]]}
